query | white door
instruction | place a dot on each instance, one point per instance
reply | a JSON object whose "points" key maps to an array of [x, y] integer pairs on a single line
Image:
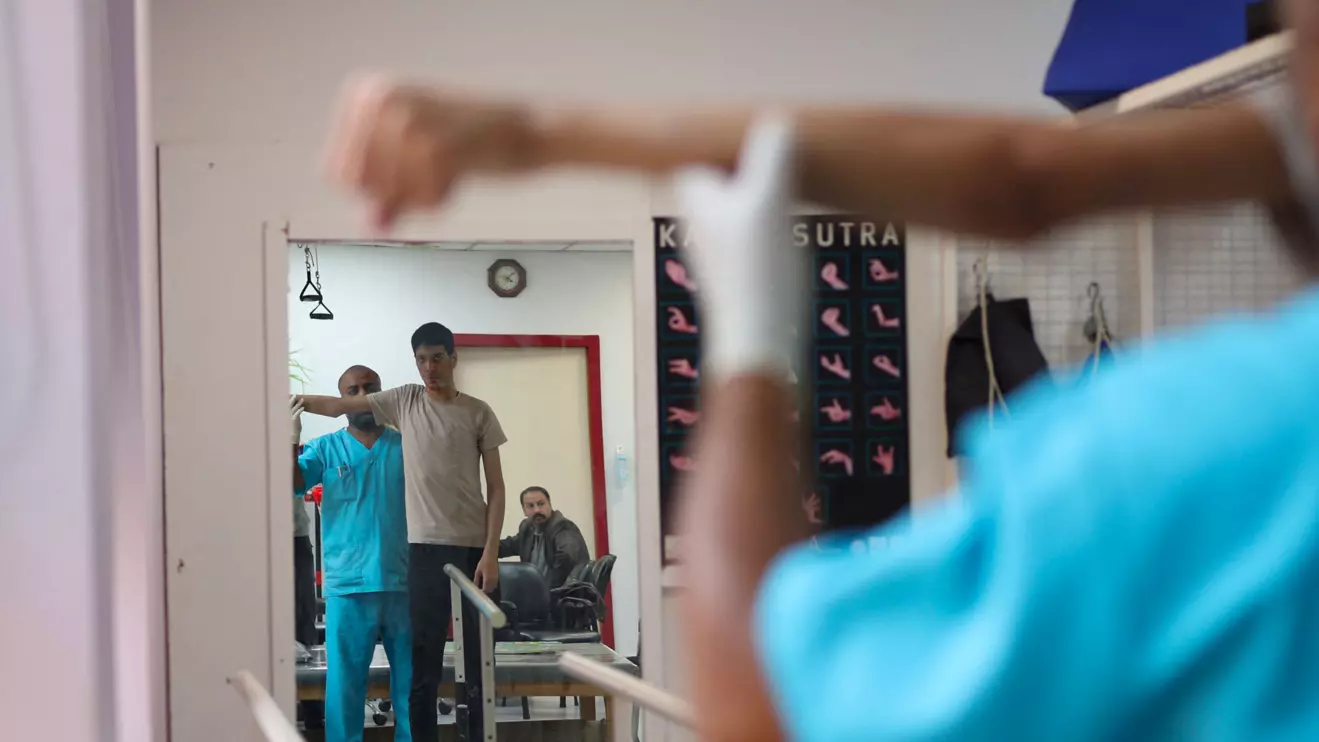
{"points": [[540, 397]]}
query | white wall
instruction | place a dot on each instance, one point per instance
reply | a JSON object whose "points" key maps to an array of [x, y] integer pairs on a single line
{"points": [[243, 89], [380, 295], [245, 70]]}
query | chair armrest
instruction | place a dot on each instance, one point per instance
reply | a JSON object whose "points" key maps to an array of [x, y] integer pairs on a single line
{"points": [[511, 611], [577, 592]]}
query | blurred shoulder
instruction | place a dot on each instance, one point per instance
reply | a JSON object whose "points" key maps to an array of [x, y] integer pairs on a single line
{"points": [[328, 442], [477, 405], [410, 391], [402, 393], [1242, 384]]}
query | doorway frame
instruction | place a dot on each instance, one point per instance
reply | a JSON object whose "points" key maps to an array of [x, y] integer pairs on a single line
{"points": [[595, 423], [277, 236], [215, 199]]}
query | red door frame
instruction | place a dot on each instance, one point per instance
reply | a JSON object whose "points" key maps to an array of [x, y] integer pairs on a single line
{"points": [[595, 422]]}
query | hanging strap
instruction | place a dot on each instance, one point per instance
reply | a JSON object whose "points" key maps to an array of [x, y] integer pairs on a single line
{"points": [[320, 311], [995, 395], [1096, 328]]}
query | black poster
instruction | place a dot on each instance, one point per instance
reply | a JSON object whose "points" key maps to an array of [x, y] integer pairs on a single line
{"points": [[854, 401]]}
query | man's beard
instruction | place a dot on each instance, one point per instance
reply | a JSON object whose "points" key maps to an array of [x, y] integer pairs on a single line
{"points": [[363, 421]]}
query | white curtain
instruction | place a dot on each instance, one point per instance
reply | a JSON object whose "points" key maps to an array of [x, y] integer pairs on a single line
{"points": [[79, 629]]}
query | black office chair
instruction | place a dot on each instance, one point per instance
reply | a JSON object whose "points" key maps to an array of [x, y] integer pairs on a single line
{"points": [[581, 600], [524, 597], [578, 573], [599, 573], [581, 603], [526, 600]]}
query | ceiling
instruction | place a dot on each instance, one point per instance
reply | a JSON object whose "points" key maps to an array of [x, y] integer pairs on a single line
{"points": [[506, 246]]}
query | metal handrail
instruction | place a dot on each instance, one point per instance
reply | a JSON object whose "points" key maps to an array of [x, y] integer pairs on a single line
{"points": [[477, 596], [274, 725], [621, 684]]}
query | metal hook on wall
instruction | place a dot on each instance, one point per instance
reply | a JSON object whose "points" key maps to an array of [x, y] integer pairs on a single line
{"points": [[1096, 325], [980, 269]]}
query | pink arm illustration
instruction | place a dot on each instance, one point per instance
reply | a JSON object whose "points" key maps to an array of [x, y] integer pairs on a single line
{"points": [[880, 272], [829, 273], [884, 457], [836, 412], [886, 411], [683, 367], [885, 322], [834, 456], [885, 364], [834, 365], [678, 322], [677, 273], [683, 417], [829, 318], [812, 506]]}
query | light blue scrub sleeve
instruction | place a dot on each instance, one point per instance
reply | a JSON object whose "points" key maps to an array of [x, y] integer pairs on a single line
{"points": [[883, 644], [1134, 559], [311, 464]]}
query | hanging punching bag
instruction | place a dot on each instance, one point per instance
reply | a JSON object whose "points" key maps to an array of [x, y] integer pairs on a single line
{"points": [[1017, 359], [1112, 46]]}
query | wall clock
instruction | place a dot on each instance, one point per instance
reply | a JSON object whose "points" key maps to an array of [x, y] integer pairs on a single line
{"points": [[507, 278]]}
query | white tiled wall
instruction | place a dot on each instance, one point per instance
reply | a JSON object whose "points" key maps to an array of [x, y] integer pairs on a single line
{"points": [[1054, 273], [1211, 260], [1207, 261]]}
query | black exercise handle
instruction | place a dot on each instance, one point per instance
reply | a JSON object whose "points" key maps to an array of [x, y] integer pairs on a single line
{"points": [[309, 290], [321, 312]]}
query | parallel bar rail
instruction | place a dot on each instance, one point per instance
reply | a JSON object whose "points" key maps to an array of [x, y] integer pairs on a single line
{"points": [[618, 683], [477, 596], [481, 724], [272, 722]]}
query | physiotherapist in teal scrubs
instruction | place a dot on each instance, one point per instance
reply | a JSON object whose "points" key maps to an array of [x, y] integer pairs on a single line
{"points": [[365, 559]]}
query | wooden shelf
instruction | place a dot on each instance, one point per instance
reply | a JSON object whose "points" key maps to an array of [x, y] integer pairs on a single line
{"points": [[1225, 76]]}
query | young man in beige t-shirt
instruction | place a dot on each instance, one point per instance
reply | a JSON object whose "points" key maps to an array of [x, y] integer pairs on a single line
{"points": [[447, 437]]}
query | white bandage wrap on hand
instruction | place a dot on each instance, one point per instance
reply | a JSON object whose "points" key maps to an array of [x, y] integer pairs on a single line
{"points": [[295, 409], [753, 281]]}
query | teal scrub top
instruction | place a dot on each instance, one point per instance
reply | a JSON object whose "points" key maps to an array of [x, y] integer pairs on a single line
{"points": [[364, 531], [1136, 558]]}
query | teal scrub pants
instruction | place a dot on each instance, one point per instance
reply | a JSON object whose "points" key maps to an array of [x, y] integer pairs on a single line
{"points": [[352, 624]]}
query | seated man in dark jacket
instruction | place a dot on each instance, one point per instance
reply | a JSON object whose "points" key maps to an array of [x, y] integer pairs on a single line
{"points": [[546, 539]]}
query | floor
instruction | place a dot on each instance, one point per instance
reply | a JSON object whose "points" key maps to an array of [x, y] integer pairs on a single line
{"points": [[548, 723]]}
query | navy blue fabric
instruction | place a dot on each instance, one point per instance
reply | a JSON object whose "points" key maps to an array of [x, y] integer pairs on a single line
{"points": [[1112, 46]]}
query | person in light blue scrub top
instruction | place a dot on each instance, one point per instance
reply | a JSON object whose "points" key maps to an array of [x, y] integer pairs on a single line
{"points": [[365, 558], [1137, 559], [1131, 558]]}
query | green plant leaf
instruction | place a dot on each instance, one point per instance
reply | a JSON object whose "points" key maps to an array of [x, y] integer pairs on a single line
{"points": [[298, 372]]}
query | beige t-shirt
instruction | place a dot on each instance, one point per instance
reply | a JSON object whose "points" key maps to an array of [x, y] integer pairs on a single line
{"points": [[442, 447]]}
